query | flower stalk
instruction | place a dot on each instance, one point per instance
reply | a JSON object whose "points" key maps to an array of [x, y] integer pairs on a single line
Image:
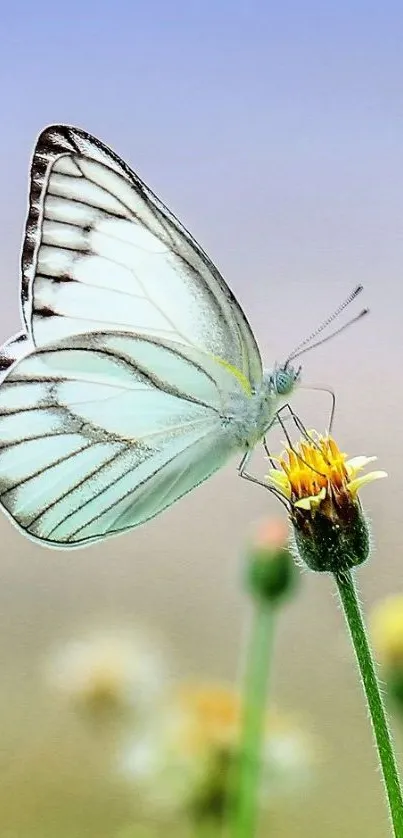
{"points": [[331, 535], [354, 619], [270, 579], [254, 713]]}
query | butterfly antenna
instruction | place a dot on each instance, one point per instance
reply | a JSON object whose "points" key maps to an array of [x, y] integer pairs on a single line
{"points": [[307, 342], [305, 348]]}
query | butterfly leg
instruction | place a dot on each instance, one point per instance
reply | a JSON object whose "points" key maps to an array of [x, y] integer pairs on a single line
{"points": [[333, 407], [243, 473], [297, 421], [250, 477], [290, 414], [298, 424], [278, 418], [332, 395], [269, 455], [301, 427]]}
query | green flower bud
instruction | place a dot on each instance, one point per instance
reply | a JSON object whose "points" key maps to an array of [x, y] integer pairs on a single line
{"points": [[271, 573], [333, 537]]}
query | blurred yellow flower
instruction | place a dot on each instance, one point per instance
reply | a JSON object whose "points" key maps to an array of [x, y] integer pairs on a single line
{"points": [[109, 671], [208, 717], [184, 763], [386, 626]]}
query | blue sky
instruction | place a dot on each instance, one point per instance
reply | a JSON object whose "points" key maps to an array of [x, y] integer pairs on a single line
{"points": [[274, 131]]}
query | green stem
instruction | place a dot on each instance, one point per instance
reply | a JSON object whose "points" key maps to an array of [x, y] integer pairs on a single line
{"points": [[207, 829], [355, 622], [255, 707]]}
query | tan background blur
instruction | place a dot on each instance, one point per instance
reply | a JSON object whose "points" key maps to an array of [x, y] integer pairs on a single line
{"points": [[276, 136]]}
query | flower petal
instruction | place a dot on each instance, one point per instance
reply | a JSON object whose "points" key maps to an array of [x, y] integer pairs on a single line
{"points": [[356, 464], [280, 481], [311, 502], [356, 484]]}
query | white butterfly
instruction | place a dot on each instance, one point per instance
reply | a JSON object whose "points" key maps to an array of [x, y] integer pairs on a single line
{"points": [[138, 375]]}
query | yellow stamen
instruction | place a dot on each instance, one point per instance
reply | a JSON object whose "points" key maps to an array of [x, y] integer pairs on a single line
{"points": [[316, 467]]}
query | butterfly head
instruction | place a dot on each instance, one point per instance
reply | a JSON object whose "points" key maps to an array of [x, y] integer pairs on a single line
{"points": [[285, 378]]}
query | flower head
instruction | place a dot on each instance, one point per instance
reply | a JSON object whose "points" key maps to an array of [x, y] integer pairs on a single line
{"points": [[321, 487], [184, 764], [108, 672]]}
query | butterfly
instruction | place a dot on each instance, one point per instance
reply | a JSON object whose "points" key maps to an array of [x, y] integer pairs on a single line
{"points": [[137, 375]]}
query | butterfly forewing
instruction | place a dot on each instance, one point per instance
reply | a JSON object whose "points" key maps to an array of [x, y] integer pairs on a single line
{"points": [[12, 350], [101, 251]]}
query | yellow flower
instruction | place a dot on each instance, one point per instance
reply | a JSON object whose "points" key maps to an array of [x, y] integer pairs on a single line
{"points": [[321, 487], [184, 763], [316, 469], [209, 715], [387, 631]]}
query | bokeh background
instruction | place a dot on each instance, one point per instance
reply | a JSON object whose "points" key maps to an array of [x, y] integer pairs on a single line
{"points": [[274, 131]]}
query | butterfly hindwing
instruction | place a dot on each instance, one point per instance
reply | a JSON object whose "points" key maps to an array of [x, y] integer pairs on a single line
{"points": [[101, 432]]}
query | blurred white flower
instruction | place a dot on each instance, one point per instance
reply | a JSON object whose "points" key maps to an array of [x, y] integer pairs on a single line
{"points": [[110, 671], [289, 756], [184, 763]]}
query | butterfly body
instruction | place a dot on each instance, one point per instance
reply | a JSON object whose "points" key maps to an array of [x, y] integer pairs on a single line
{"points": [[137, 374], [251, 415]]}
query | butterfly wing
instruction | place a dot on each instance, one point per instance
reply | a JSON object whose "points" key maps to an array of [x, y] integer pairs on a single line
{"points": [[12, 350], [101, 432], [102, 252], [115, 400]]}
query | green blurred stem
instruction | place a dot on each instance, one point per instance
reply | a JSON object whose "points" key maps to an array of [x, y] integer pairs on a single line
{"points": [[207, 829], [258, 654], [355, 622]]}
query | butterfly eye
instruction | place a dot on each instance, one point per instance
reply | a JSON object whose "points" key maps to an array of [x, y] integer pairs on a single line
{"points": [[284, 381]]}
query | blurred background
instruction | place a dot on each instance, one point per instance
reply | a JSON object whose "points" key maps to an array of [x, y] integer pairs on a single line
{"points": [[274, 131]]}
